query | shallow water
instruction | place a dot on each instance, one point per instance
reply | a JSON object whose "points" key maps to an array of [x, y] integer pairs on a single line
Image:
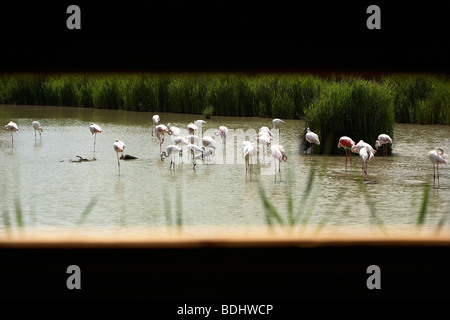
{"points": [[39, 181]]}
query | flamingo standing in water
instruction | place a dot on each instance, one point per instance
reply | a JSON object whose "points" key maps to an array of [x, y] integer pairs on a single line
{"points": [[12, 126], [276, 124], [346, 143], [383, 140], [223, 132], [279, 154], [155, 120], [37, 127], [192, 128], [170, 150], [311, 137], [265, 139], [248, 150], [94, 130], [175, 131], [160, 130], [181, 141], [119, 146], [194, 148], [208, 143], [199, 124], [366, 155], [437, 156], [361, 144]]}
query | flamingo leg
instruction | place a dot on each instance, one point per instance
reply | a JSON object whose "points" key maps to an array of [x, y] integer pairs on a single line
{"points": [[437, 169], [12, 139], [95, 136], [34, 134], [118, 162], [279, 168], [345, 159], [434, 174], [350, 156]]}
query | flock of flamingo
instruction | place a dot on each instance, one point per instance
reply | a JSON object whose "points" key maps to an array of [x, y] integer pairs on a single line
{"points": [[249, 149]]}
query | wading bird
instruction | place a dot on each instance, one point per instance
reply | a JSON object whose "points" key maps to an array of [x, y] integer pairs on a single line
{"points": [[279, 154], [119, 146], [383, 140], [155, 120], [199, 124], [437, 156], [366, 155], [37, 127], [311, 137], [208, 143], [94, 130], [180, 142], [11, 126], [192, 128], [194, 148], [346, 143], [265, 139], [361, 144], [174, 131], [170, 151], [249, 150], [159, 131], [223, 132], [276, 124]]}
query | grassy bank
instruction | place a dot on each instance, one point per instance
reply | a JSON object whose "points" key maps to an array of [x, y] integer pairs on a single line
{"points": [[332, 107]]}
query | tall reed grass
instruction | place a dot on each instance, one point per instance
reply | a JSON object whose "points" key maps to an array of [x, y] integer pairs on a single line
{"points": [[410, 98], [357, 108]]}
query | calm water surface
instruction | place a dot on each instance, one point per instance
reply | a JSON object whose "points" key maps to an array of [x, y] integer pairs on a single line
{"points": [[38, 177]]}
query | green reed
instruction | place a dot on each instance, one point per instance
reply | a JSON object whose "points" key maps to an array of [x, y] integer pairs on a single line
{"points": [[349, 102]]}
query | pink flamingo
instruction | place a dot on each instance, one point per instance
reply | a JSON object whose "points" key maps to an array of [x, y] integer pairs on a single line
{"points": [[223, 132], [160, 130], [119, 146], [249, 151], [346, 143], [437, 156], [155, 120], [366, 155], [311, 137], [94, 130], [279, 154], [383, 140], [37, 127], [12, 126]]}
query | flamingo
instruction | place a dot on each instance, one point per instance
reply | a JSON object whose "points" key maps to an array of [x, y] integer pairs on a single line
{"points": [[276, 124], [170, 149], [437, 156], [181, 141], [12, 126], [248, 150], [311, 137], [94, 130], [361, 144], [383, 140], [175, 131], [160, 130], [346, 143], [119, 146], [194, 148], [199, 123], [366, 155], [36, 125], [265, 139], [279, 154], [267, 130], [223, 132], [208, 143], [155, 119], [192, 128]]}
